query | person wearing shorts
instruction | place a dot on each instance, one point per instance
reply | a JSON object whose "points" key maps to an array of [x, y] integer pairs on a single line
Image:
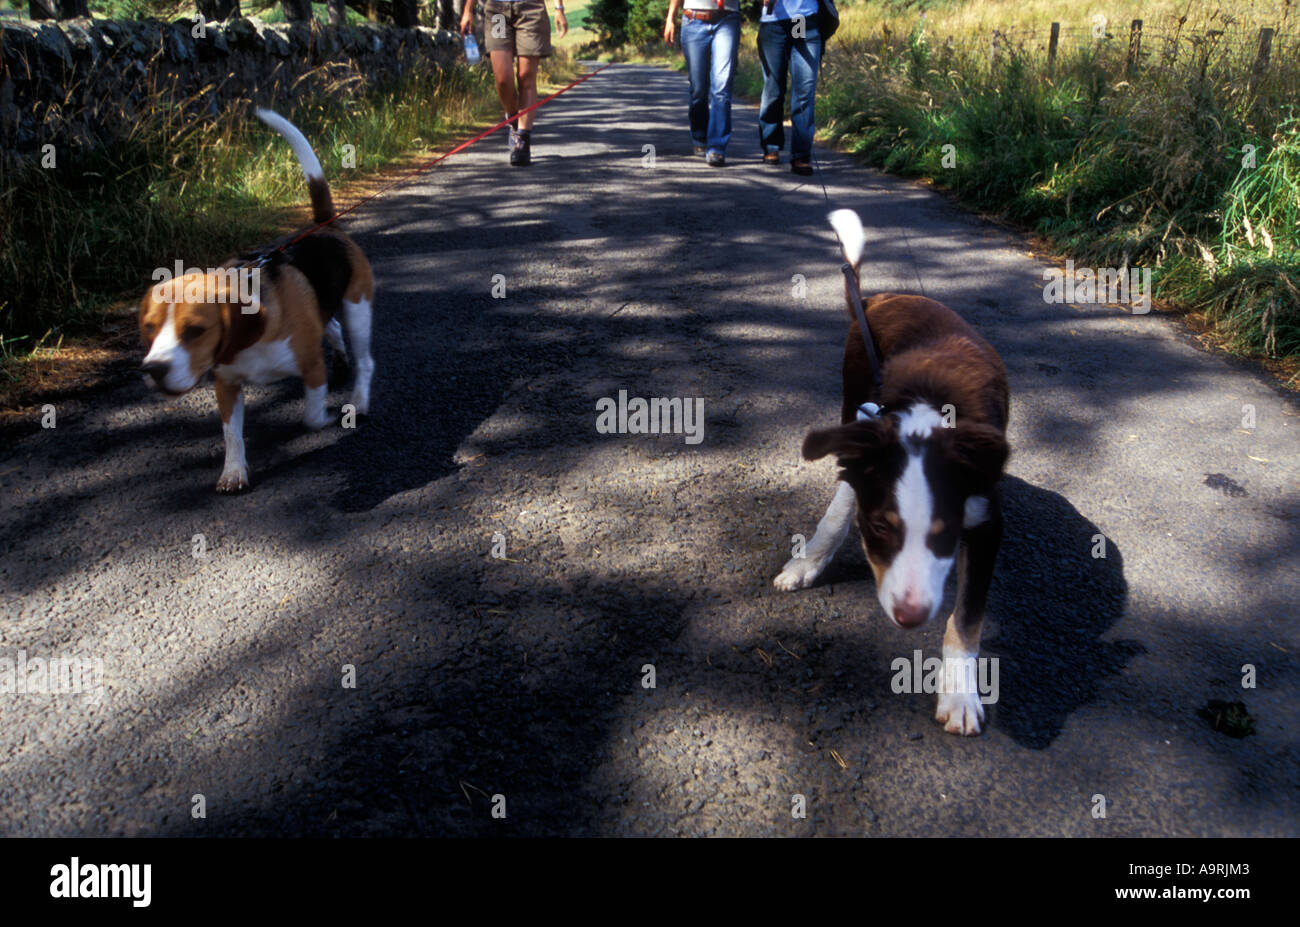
{"points": [[516, 34]]}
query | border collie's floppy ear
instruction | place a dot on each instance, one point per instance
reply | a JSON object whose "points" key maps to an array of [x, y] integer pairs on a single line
{"points": [[239, 330], [980, 451], [854, 441]]}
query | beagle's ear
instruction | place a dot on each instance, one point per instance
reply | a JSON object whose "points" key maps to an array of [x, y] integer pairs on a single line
{"points": [[242, 324], [856, 441]]}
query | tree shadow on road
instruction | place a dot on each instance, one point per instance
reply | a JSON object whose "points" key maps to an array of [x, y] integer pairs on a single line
{"points": [[525, 693]]}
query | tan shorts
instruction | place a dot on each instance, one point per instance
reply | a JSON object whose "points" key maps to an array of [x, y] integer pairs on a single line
{"points": [[520, 27]]}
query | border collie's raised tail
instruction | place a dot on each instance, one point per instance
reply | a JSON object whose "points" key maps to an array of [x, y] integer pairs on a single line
{"points": [[921, 471]]}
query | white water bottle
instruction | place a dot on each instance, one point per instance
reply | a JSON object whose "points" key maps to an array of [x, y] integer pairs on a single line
{"points": [[472, 54]]}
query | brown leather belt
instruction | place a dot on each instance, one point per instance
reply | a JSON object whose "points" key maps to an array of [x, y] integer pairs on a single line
{"points": [[706, 16]]}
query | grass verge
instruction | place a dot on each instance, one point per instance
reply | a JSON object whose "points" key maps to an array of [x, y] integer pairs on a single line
{"points": [[1186, 161], [79, 241]]}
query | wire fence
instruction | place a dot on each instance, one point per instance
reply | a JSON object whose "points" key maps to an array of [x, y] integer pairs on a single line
{"points": [[1255, 67], [1267, 59]]}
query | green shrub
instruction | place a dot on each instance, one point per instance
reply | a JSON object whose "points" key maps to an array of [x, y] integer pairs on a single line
{"points": [[608, 19], [645, 21]]}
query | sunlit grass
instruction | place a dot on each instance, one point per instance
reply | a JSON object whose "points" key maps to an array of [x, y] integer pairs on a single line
{"points": [[862, 18], [1189, 165], [89, 231]]}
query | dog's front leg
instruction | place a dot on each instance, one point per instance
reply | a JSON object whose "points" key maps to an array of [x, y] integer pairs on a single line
{"points": [[230, 403], [831, 531], [314, 414], [960, 709]]}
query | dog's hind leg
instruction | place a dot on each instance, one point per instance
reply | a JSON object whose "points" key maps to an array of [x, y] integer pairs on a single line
{"points": [[960, 708], [334, 335], [800, 572], [356, 316], [230, 404]]}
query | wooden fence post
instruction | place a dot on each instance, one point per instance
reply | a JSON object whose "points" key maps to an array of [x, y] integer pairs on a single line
{"points": [[1051, 45], [1261, 59], [1134, 45]]}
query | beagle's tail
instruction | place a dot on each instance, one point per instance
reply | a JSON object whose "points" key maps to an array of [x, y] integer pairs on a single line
{"points": [[322, 204]]}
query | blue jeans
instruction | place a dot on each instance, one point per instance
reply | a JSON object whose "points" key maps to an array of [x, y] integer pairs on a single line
{"points": [[710, 50], [783, 54]]}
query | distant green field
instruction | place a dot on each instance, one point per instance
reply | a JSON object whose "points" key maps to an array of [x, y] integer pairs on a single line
{"points": [[576, 12]]}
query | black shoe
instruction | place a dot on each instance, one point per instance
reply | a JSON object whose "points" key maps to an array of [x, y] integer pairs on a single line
{"points": [[699, 149], [716, 159], [521, 153], [801, 167]]}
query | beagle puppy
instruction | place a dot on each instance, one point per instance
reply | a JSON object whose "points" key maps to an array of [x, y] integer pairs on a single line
{"points": [[261, 317]]}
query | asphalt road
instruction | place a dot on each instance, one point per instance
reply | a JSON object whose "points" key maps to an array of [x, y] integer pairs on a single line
{"points": [[523, 677]]}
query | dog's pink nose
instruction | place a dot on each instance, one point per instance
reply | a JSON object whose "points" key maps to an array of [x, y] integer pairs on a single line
{"points": [[910, 614]]}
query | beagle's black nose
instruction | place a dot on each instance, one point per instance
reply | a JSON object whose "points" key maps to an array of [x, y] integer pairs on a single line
{"points": [[154, 371]]}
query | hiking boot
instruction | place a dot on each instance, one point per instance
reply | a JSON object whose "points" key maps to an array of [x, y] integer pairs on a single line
{"points": [[521, 152]]}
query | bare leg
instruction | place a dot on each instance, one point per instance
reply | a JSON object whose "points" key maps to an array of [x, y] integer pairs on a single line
{"points": [[527, 89], [504, 72]]}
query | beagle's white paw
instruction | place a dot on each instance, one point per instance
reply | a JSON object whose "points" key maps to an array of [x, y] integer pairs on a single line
{"points": [[316, 420], [960, 713], [314, 414], [360, 402], [233, 479]]}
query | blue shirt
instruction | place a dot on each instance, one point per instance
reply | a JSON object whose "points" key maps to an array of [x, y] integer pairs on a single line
{"points": [[789, 9]]}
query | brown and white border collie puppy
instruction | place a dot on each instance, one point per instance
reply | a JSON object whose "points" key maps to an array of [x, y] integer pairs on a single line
{"points": [[926, 495], [203, 322]]}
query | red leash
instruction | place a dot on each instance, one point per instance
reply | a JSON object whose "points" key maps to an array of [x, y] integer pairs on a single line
{"points": [[407, 178]]}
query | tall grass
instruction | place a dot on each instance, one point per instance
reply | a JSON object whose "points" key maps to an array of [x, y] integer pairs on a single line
{"points": [[76, 237], [1188, 163]]}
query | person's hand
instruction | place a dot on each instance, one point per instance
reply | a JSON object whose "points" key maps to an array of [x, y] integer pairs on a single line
{"points": [[561, 23], [467, 18], [670, 31]]}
